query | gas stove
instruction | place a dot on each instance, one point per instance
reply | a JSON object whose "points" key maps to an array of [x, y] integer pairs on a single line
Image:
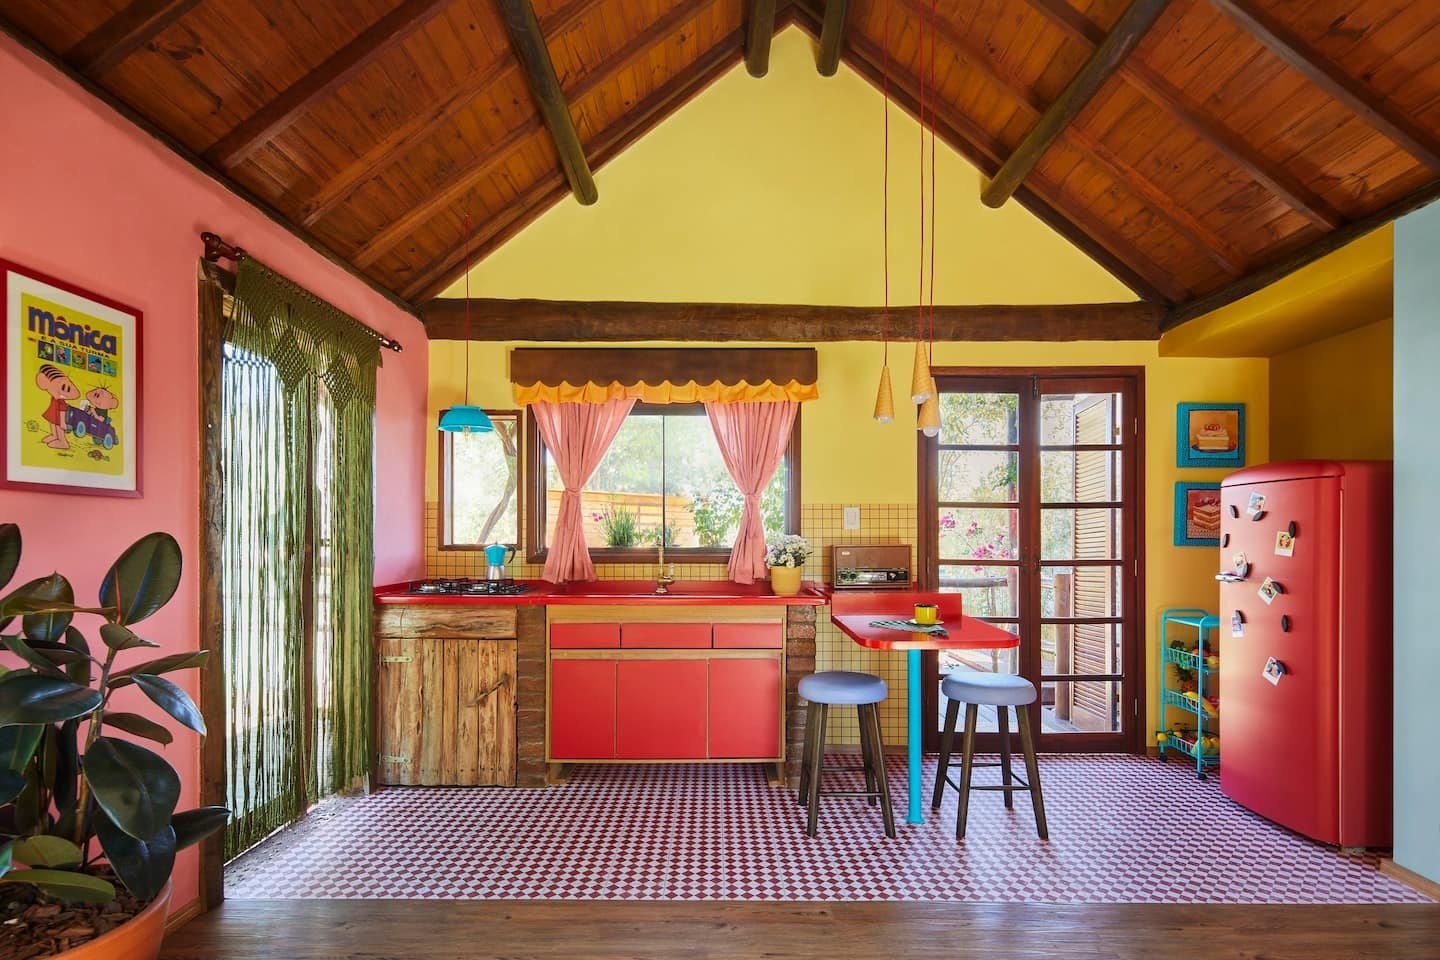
{"points": [[467, 587]]}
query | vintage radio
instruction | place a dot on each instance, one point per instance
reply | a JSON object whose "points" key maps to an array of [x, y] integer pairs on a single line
{"points": [[880, 567]]}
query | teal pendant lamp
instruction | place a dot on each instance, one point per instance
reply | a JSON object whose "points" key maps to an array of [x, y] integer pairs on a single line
{"points": [[466, 417]]}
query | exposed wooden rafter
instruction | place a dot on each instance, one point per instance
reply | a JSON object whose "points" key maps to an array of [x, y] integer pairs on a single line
{"points": [[99, 51], [613, 321], [1103, 62], [759, 28], [1272, 176], [465, 178], [832, 36], [528, 42], [1366, 103], [276, 116]]}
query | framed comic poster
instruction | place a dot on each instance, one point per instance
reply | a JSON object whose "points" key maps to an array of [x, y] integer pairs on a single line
{"points": [[1210, 435], [71, 402], [1197, 514]]}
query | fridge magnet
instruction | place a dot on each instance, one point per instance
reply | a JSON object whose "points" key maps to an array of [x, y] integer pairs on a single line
{"points": [[1284, 544], [1273, 671], [1237, 624], [1210, 435], [1197, 514], [1255, 506], [1269, 590], [70, 407], [1241, 565], [1284, 623]]}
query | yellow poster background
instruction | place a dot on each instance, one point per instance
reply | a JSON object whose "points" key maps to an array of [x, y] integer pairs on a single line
{"points": [[69, 345]]}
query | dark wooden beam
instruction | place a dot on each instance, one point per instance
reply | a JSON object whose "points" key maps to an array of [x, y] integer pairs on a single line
{"points": [[1282, 268], [1076, 96], [528, 42], [1272, 176], [464, 179], [540, 196], [759, 28], [616, 321], [131, 28], [832, 36], [276, 116], [1365, 102]]}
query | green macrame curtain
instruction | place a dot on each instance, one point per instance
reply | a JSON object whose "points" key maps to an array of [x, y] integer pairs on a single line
{"points": [[298, 406]]}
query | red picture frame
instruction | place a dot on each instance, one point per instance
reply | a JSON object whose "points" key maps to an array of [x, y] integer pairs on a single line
{"points": [[87, 348]]}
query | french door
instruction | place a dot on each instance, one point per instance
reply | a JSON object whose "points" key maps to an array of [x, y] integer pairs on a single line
{"points": [[1031, 510]]}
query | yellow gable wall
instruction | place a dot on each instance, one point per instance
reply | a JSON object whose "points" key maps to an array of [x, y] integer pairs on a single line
{"points": [[769, 191]]}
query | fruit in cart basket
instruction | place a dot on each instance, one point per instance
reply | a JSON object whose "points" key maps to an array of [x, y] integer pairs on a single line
{"points": [[1213, 662], [1161, 738]]}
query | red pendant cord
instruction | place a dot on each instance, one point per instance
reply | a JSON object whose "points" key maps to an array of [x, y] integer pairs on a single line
{"points": [[933, 223], [885, 193], [467, 310], [920, 293]]}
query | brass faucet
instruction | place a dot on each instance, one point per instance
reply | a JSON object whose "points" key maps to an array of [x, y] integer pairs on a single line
{"points": [[664, 577]]}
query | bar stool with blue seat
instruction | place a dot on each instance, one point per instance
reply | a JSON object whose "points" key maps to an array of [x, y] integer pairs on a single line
{"points": [[1001, 691], [836, 688]]}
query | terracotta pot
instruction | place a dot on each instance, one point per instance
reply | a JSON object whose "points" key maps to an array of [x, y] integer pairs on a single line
{"points": [[136, 939], [785, 581]]}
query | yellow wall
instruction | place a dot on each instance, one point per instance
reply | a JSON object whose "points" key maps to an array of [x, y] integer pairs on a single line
{"points": [[768, 191], [1333, 399]]}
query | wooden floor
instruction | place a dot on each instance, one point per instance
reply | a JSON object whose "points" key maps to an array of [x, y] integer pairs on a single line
{"points": [[436, 929]]}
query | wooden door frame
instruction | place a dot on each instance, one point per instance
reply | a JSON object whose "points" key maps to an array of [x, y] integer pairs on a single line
{"points": [[1133, 688]]}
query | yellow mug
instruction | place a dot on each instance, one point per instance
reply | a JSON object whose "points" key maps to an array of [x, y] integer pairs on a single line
{"points": [[926, 613]]}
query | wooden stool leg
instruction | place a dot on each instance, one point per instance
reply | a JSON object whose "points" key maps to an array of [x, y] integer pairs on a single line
{"points": [[812, 714], [947, 743], [1002, 714], [867, 751], [817, 759], [967, 763], [1032, 772], [877, 747]]}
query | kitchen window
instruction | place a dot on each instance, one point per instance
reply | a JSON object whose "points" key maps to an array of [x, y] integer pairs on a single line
{"points": [[663, 477], [479, 485]]}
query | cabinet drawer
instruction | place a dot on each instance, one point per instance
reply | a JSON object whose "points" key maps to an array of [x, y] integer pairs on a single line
{"points": [[749, 636], [745, 698], [661, 710], [666, 636], [582, 709], [584, 636]]}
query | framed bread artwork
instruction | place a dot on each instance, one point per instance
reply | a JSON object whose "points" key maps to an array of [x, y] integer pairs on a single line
{"points": [[1210, 435]]}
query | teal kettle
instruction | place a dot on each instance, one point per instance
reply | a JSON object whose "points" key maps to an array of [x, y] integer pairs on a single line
{"points": [[496, 556]]}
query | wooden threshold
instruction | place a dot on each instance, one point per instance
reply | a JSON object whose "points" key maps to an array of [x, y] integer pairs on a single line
{"points": [[1410, 878]]}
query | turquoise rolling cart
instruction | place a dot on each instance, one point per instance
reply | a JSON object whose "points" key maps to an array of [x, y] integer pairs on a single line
{"points": [[1200, 706]]}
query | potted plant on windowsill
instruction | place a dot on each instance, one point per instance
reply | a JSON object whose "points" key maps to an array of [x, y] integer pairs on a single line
{"points": [[786, 556], [88, 827]]}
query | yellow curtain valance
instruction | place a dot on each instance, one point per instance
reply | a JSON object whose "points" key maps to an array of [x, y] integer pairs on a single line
{"points": [[663, 375]]}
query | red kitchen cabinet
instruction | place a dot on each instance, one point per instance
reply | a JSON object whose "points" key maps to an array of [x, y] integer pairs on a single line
{"points": [[749, 636], [582, 709], [665, 636], [661, 709], [584, 636], [745, 698]]}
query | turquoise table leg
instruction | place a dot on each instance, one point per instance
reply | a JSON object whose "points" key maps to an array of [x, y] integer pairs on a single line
{"points": [[912, 740]]}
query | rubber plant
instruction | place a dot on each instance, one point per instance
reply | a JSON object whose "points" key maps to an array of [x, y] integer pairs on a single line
{"points": [[73, 797]]}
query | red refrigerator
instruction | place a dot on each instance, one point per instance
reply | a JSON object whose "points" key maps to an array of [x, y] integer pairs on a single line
{"points": [[1305, 679]]}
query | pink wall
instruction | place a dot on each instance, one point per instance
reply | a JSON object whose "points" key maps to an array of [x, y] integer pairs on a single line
{"points": [[88, 198]]}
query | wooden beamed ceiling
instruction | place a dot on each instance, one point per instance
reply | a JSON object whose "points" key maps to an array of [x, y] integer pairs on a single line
{"points": [[1194, 148]]}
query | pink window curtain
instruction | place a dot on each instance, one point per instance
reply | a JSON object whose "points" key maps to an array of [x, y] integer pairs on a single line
{"points": [[577, 436], [752, 439]]}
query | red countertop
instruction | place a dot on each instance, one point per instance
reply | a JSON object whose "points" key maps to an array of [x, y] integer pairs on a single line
{"points": [[616, 592], [853, 611]]}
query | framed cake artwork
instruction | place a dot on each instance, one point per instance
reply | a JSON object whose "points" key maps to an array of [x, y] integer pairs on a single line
{"points": [[1197, 514], [1210, 435]]}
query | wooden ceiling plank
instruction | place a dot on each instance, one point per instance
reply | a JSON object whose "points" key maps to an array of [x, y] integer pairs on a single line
{"points": [[541, 195], [528, 42], [616, 321], [276, 116], [1329, 243], [832, 36], [101, 50], [1272, 176], [1103, 62], [759, 28], [1368, 105]]}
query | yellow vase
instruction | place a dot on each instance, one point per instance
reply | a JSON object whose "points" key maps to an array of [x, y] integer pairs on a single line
{"points": [[785, 581]]}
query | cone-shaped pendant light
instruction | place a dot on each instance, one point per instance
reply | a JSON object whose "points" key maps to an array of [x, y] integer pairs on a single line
{"points": [[922, 384], [929, 419], [884, 398]]}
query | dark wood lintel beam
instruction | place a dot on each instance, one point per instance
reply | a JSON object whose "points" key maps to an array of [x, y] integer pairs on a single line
{"points": [[832, 36], [102, 49], [1078, 93], [759, 28], [528, 42], [617, 321]]}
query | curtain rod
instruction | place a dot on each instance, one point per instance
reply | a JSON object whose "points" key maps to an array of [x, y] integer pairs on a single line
{"points": [[216, 249]]}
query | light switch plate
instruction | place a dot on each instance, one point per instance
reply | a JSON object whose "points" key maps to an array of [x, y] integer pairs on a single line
{"points": [[852, 518]]}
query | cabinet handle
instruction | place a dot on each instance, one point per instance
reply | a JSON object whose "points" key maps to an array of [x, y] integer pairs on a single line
{"points": [[496, 686], [396, 659], [404, 761]]}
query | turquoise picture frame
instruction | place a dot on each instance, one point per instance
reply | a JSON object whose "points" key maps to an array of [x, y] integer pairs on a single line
{"points": [[1192, 530], [1210, 435]]}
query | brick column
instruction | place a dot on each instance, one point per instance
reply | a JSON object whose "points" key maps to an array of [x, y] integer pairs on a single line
{"points": [[799, 662], [530, 697]]}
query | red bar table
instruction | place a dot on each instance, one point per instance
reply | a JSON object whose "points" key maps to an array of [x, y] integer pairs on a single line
{"points": [[852, 613]]}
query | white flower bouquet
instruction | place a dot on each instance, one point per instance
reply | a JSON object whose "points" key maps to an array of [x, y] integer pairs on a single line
{"points": [[787, 551]]}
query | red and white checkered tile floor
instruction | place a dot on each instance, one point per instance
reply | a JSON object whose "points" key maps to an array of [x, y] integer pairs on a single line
{"points": [[1123, 829]]}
